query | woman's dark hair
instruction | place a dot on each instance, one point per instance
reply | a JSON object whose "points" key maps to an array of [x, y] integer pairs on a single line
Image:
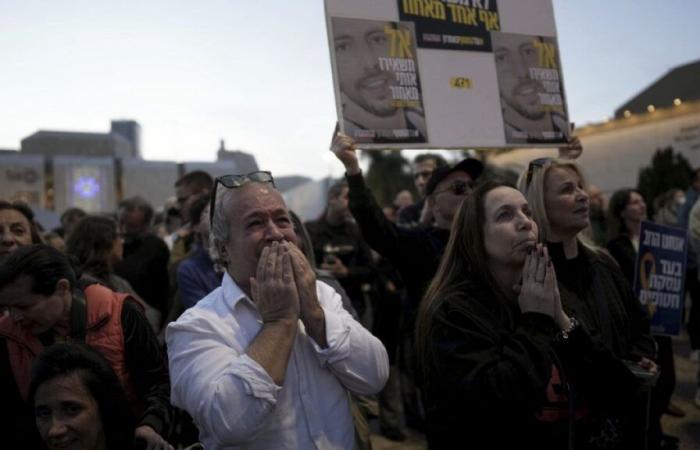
{"points": [[95, 373], [465, 257], [43, 264], [27, 212], [618, 202], [92, 243]]}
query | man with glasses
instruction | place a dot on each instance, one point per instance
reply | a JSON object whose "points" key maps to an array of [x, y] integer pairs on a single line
{"points": [[423, 166], [415, 252], [266, 359]]}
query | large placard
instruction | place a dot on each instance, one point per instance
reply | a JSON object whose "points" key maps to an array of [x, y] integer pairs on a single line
{"points": [[447, 73]]}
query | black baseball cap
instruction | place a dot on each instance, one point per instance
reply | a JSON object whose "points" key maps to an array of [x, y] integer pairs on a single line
{"points": [[472, 167]]}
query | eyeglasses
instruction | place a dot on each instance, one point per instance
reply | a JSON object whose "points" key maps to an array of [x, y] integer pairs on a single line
{"points": [[539, 162], [236, 181], [458, 187]]}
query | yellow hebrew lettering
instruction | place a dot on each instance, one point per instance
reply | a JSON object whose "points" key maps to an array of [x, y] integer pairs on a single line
{"points": [[434, 9], [462, 14], [547, 54], [489, 19], [400, 42]]}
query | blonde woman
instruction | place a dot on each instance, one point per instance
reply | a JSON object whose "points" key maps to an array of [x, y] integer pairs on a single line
{"points": [[589, 279]]}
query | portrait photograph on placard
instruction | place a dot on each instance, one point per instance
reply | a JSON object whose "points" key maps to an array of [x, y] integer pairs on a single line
{"points": [[530, 86], [377, 73]]}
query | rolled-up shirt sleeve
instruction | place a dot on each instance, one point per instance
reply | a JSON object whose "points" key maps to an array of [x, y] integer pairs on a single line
{"points": [[356, 357], [229, 395]]}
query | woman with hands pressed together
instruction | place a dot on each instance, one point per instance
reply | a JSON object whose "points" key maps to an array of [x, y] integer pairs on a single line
{"points": [[594, 289], [504, 364]]}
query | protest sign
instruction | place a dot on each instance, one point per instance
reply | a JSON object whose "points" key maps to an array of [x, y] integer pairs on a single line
{"points": [[660, 275], [447, 73]]}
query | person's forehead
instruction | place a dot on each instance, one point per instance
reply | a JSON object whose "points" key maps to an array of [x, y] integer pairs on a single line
{"points": [[12, 216], [451, 178], [350, 28], [68, 386], [252, 198], [559, 175], [513, 42], [184, 190], [428, 164], [502, 196], [135, 215]]}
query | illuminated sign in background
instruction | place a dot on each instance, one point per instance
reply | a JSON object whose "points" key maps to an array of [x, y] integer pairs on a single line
{"points": [[86, 183]]}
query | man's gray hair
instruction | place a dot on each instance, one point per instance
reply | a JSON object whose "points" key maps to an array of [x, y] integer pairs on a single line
{"points": [[219, 228]]}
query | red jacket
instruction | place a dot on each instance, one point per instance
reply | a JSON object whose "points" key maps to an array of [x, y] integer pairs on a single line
{"points": [[103, 332]]}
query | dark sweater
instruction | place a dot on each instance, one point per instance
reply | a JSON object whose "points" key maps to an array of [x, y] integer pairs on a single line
{"points": [[592, 280], [490, 379]]}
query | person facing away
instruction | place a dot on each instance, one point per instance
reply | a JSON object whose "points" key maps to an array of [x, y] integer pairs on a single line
{"points": [[506, 363], [79, 402], [266, 360], [44, 304]]}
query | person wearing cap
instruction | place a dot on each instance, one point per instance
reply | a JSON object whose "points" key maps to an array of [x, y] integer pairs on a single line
{"points": [[415, 252]]}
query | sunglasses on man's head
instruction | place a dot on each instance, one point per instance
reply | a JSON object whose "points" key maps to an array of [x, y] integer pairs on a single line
{"points": [[535, 163], [236, 181], [458, 187]]}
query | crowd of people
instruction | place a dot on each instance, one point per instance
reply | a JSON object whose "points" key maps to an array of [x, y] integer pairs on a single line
{"points": [[481, 313]]}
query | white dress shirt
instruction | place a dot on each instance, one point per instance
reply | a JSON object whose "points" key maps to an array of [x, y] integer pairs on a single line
{"points": [[234, 401]]}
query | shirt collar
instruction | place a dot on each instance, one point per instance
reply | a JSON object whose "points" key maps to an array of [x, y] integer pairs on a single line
{"points": [[232, 292]]}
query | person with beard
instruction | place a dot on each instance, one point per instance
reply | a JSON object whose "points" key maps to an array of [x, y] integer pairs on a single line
{"points": [[526, 118], [367, 101]]}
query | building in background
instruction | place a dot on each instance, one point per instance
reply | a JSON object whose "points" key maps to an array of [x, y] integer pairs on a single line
{"points": [[131, 131], [56, 170]]}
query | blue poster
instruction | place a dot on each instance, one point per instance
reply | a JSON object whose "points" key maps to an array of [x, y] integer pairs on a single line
{"points": [[660, 275]]}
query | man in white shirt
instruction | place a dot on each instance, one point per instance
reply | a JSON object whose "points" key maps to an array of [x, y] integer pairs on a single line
{"points": [[266, 360]]}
